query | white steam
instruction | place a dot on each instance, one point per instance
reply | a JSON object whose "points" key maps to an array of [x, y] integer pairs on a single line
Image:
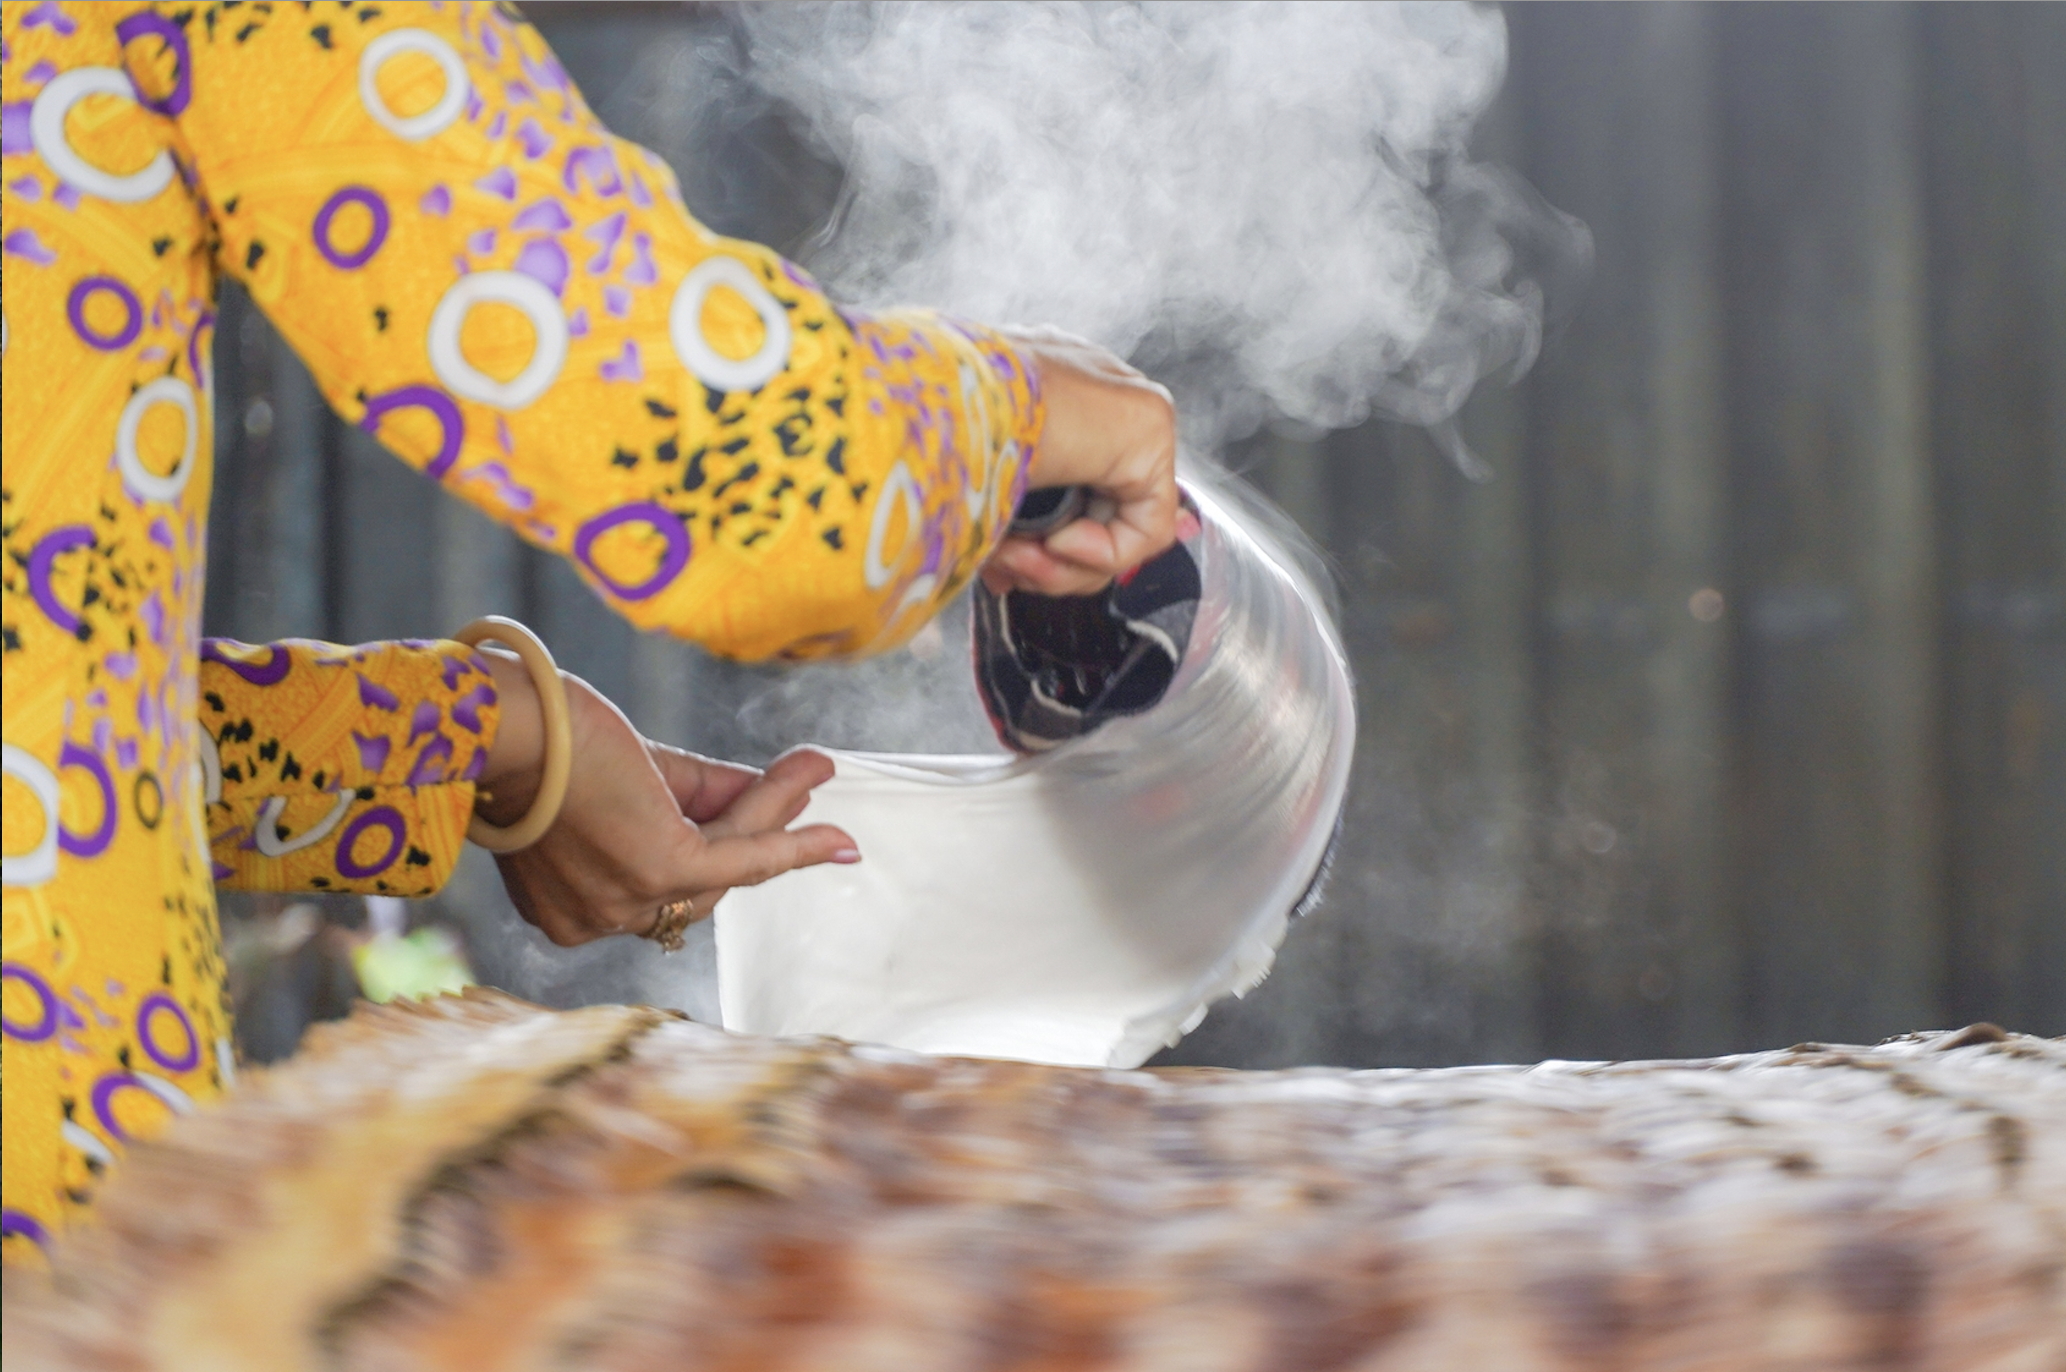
{"points": [[1266, 204]]}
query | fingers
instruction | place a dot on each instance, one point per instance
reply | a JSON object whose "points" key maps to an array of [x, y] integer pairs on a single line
{"points": [[1025, 564], [1113, 430], [1082, 557], [1144, 526], [776, 797], [1142, 484], [750, 859], [698, 907], [703, 787], [1112, 548], [704, 903]]}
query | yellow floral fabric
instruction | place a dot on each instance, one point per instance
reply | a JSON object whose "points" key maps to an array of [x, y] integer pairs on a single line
{"points": [[517, 304]]}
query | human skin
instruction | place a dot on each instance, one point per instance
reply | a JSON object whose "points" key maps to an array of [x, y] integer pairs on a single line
{"points": [[644, 824], [1112, 429]]}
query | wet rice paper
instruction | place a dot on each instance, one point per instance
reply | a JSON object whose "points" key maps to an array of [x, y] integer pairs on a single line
{"points": [[1086, 905]]}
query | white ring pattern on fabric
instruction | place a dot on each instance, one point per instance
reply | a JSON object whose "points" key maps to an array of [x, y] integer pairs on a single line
{"points": [[197, 804], [47, 133], [920, 592], [141, 481], [39, 864], [549, 350], [211, 767], [265, 832], [176, 1100], [899, 482], [439, 117], [685, 327], [87, 1142]]}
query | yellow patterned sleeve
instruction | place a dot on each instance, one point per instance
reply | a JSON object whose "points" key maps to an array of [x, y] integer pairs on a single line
{"points": [[342, 769], [518, 304]]}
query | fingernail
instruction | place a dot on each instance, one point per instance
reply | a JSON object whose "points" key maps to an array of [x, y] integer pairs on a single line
{"points": [[847, 855]]}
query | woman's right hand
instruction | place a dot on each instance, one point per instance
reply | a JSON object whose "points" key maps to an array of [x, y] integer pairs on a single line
{"points": [[1109, 428]]}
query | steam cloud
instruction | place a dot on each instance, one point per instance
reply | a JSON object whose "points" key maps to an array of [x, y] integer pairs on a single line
{"points": [[1268, 205]]}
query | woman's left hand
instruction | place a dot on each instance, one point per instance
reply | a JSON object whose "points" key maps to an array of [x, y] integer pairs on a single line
{"points": [[643, 824], [1111, 429]]}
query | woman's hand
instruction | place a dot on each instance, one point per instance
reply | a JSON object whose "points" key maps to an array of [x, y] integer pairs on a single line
{"points": [[643, 824], [1109, 428]]}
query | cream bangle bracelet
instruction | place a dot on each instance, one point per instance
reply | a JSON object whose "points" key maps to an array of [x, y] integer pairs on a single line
{"points": [[559, 734]]}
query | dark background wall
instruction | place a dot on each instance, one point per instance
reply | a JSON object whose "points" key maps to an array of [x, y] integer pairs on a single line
{"points": [[1730, 713]]}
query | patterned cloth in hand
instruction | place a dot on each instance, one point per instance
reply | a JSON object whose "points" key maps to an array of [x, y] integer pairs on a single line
{"points": [[1053, 668]]}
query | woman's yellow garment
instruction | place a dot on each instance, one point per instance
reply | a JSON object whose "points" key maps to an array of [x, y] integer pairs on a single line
{"points": [[516, 303]]}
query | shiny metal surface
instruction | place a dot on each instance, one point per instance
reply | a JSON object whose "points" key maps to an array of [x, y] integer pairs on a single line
{"points": [[1085, 905]]}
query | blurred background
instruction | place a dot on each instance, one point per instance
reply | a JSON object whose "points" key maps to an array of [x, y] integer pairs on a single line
{"points": [[1729, 713]]}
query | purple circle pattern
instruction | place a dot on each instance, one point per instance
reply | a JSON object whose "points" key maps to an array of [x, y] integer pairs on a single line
{"points": [[452, 426], [135, 27], [104, 1096], [351, 195], [204, 320], [34, 1033], [267, 673], [75, 310], [64, 539], [640, 512], [156, 1003], [388, 818], [95, 843], [14, 1223]]}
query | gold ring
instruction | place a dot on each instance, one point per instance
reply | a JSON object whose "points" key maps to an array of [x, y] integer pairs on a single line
{"points": [[674, 916]]}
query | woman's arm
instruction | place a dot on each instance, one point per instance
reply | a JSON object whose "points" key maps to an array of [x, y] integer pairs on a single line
{"points": [[517, 303], [333, 768]]}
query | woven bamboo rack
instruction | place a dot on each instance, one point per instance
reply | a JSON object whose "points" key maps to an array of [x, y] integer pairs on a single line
{"points": [[478, 1183]]}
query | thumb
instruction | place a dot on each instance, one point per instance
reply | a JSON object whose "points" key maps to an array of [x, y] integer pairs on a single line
{"points": [[702, 787]]}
